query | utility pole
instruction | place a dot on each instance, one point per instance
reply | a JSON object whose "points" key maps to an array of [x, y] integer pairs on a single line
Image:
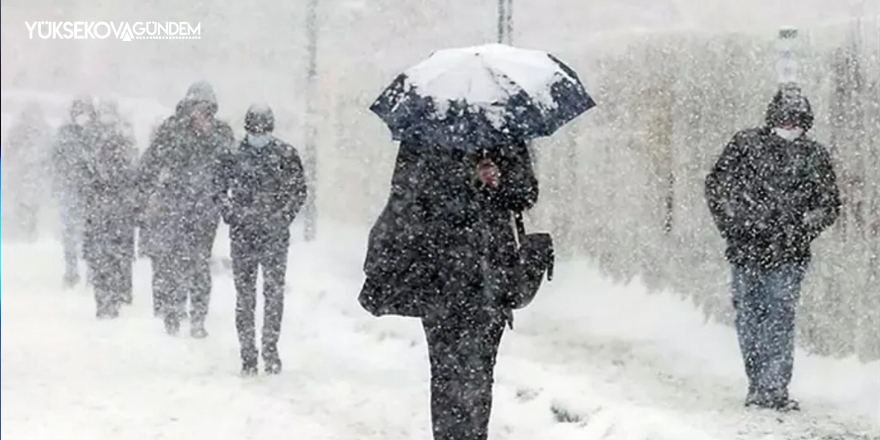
{"points": [[311, 166], [505, 21]]}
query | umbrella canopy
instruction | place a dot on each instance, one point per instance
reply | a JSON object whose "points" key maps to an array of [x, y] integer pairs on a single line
{"points": [[481, 97]]}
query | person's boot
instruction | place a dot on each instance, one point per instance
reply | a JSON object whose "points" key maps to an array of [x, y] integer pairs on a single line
{"points": [[752, 398], [107, 312], [71, 279], [758, 398], [787, 405], [271, 360], [197, 329], [172, 323], [249, 361], [780, 401]]}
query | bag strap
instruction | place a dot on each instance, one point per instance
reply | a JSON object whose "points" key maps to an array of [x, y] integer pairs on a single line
{"points": [[520, 226]]}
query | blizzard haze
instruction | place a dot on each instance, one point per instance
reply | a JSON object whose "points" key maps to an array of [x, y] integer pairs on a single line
{"points": [[632, 340]]}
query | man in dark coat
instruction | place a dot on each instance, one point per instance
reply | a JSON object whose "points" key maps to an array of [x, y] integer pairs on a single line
{"points": [[108, 235], [177, 180], [26, 159], [70, 156], [771, 193], [262, 188], [440, 251], [147, 245]]}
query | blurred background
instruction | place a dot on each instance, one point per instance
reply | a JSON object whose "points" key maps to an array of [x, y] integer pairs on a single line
{"points": [[622, 185]]}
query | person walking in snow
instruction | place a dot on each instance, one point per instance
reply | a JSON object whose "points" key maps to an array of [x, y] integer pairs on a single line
{"points": [[177, 176], [446, 226], [70, 156], [147, 245], [108, 233], [262, 188], [26, 154], [771, 193]]}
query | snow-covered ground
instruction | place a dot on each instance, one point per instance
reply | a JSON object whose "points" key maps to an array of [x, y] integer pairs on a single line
{"points": [[587, 360]]}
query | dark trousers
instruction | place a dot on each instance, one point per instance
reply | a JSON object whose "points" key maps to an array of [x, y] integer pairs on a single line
{"points": [[462, 348], [111, 280], [250, 251], [71, 234], [25, 220], [765, 302], [181, 275], [156, 286]]}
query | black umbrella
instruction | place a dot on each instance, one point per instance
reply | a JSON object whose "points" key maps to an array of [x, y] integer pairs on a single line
{"points": [[482, 96]]}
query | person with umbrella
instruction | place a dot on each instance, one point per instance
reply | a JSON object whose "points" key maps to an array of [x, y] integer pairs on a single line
{"points": [[443, 249]]}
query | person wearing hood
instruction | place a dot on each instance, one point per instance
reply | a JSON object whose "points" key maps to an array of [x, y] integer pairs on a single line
{"points": [[772, 192], [70, 158], [261, 190], [108, 234], [177, 183], [26, 163]]}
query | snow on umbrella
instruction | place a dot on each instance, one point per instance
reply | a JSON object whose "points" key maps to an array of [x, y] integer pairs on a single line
{"points": [[482, 96]]}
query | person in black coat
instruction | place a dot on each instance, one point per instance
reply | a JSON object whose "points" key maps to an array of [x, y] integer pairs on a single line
{"points": [[25, 149], [771, 193], [176, 186], [443, 250], [70, 154], [108, 234], [261, 190]]}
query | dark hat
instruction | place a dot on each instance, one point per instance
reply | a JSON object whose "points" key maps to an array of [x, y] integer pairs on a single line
{"points": [[82, 106], [789, 105], [259, 119]]}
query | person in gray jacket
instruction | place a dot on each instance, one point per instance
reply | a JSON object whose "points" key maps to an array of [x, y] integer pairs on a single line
{"points": [[177, 179]]}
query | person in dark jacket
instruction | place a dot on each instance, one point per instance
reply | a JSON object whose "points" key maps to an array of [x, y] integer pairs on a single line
{"points": [[25, 151], [177, 180], [262, 188], [149, 246], [108, 236], [70, 156], [771, 193], [440, 251]]}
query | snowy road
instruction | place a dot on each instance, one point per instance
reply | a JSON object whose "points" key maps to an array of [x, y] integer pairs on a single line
{"points": [[589, 360]]}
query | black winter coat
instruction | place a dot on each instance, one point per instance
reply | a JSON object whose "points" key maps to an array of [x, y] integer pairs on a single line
{"points": [[770, 198], [177, 183], [261, 189], [108, 197], [444, 242]]}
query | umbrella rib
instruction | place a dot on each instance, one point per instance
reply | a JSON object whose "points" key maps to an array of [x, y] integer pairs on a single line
{"points": [[494, 75]]}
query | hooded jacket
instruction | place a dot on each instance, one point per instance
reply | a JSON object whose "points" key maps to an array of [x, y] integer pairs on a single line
{"points": [[177, 172], [770, 197]]}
